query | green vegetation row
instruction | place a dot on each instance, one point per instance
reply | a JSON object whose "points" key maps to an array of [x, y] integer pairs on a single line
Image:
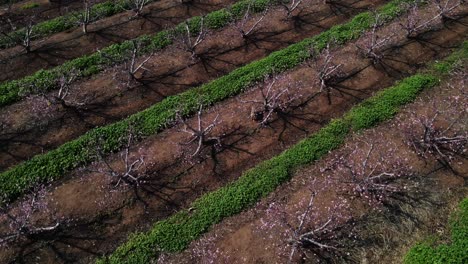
{"points": [[175, 233], [46, 80], [52, 165], [62, 23], [455, 252]]}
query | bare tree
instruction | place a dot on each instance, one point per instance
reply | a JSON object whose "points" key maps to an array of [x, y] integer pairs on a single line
{"points": [[301, 238], [442, 143], [446, 9], [290, 7], [7, 23], [307, 226], [84, 17], [372, 175], [190, 39], [373, 44], [21, 224], [245, 27], [133, 66], [61, 96], [137, 6], [24, 36], [414, 25], [328, 73], [28, 35], [201, 133], [129, 175], [272, 101]]}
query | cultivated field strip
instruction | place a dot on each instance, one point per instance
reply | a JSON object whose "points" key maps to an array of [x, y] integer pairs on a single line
{"points": [[85, 66], [146, 145], [261, 234], [19, 15], [152, 120], [175, 233], [63, 47], [69, 21], [100, 102]]}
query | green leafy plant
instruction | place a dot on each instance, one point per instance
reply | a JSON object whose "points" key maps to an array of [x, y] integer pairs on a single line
{"points": [[29, 6], [454, 252]]}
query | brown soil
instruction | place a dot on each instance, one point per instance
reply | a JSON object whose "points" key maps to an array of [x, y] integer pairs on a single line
{"points": [[174, 179], [256, 236], [64, 46], [19, 17], [105, 98]]}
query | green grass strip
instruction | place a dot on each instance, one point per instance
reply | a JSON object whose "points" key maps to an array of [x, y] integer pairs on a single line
{"points": [[175, 233], [85, 66], [62, 23], [455, 252], [53, 164]]}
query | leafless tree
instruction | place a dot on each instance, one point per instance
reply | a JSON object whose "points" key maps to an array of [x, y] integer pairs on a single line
{"points": [[327, 70], [200, 134], [190, 39], [442, 143], [137, 6], [134, 66], [414, 25], [25, 35], [7, 24], [307, 226], [28, 35], [291, 7], [272, 101], [22, 37], [446, 9], [246, 26], [21, 224], [315, 237], [374, 180], [61, 96], [84, 16], [328, 73], [373, 44], [130, 174]]}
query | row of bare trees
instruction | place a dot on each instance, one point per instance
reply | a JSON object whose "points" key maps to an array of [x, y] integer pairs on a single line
{"points": [[365, 180], [381, 174], [83, 19]]}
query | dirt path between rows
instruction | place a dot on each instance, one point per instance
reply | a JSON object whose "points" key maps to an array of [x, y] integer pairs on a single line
{"points": [[19, 17], [61, 47], [259, 235], [97, 217], [105, 98]]}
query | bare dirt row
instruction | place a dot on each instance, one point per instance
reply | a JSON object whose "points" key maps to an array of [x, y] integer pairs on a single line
{"points": [[96, 212], [111, 95], [64, 46]]}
